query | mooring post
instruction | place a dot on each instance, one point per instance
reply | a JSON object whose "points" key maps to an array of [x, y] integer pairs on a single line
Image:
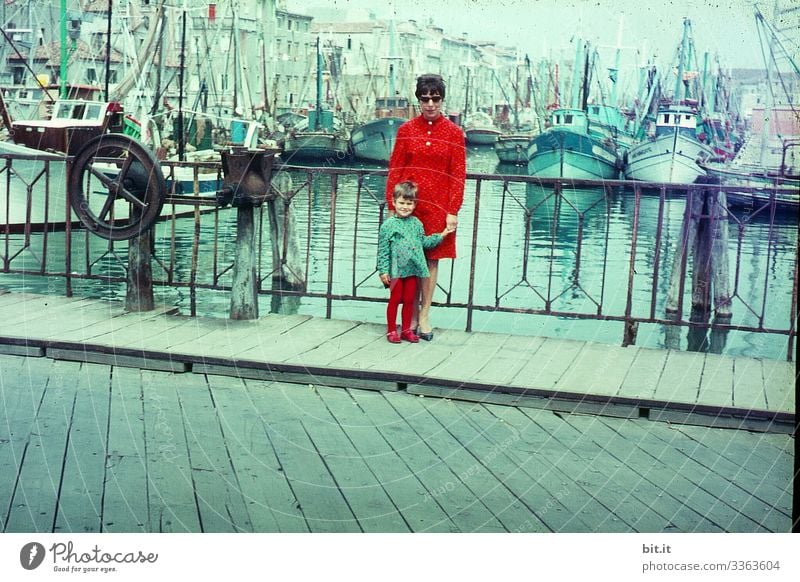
{"points": [[288, 271], [701, 264], [721, 264], [139, 294], [247, 185], [691, 216]]}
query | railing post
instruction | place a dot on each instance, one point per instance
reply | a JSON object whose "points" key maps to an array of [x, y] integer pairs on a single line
{"points": [[247, 182]]}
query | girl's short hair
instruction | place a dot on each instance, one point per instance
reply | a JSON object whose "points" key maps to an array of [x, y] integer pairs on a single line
{"points": [[407, 190], [429, 84]]}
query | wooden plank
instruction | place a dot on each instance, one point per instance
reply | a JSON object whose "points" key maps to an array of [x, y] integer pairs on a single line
{"points": [[22, 385], [779, 384], [494, 396], [748, 384], [476, 352], [548, 364], [21, 350], [643, 375], [634, 469], [36, 496], [491, 471], [511, 357], [143, 362], [171, 497], [347, 379], [462, 506], [298, 344], [680, 379], [701, 489], [80, 499], [585, 512], [597, 369], [601, 476], [318, 495], [271, 503], [716, 383], [126, 494], [420, 511], [422, 357], [374, 509], [755, 455], [219, 497], [340, 346]]}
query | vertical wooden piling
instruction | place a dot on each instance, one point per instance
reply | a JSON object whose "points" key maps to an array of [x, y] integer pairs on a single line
{"points": [[139, 294], [691, 217], [721, 262], [288, 270], [244, 288]]}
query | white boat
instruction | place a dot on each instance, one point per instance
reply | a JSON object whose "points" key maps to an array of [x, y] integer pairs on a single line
{"points": [[479, 129], [512, 148], [674, 154]]}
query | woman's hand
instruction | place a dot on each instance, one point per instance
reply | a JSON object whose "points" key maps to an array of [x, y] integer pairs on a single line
{"points": [[385, 279], [452, 222]]}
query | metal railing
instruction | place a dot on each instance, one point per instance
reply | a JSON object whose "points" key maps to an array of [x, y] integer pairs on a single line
{"points": [[527, 246]]}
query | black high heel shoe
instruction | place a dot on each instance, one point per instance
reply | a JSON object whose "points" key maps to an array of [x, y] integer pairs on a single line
{"points": [[422, 335]]}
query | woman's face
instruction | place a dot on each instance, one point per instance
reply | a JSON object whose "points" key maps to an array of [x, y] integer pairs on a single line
{"points": [[431, 105]]}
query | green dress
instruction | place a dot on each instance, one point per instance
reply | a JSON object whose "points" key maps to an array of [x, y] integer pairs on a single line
{"points": [[400, 247]]}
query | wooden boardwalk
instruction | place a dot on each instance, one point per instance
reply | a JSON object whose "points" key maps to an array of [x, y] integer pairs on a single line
{"points": [[90, 447], [564, 375]]}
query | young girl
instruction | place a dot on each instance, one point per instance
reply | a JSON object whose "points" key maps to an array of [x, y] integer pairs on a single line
{"points": [[401, 259]]}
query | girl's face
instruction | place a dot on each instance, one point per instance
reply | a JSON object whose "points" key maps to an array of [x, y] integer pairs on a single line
{"points": [[404, 207]]}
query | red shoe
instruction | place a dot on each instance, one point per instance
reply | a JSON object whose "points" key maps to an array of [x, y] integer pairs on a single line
{"points": [[410, 336], [392, 337]]}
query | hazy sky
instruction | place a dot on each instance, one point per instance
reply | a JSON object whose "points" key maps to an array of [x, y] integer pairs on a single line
{"points": [[544, 27]]}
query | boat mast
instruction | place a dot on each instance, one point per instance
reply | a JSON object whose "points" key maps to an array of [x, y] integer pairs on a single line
{"points": [[576, 78], [318, 116], [678, 94], [63, 70], [108, 46]]}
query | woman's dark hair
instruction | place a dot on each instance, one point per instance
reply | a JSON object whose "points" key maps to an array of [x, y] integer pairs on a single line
{"points": [[429, 84]]}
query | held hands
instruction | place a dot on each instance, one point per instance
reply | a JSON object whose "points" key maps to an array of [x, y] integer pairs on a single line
{"points": [[452, 223]]}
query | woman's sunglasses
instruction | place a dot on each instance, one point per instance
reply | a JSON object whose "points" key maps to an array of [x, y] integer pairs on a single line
{"points": [[434, 98]]}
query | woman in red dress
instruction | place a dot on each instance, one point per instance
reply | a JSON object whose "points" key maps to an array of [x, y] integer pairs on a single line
{"points": [[429, 150]]}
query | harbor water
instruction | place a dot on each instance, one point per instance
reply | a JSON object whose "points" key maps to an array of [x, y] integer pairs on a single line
{"points": [[531, 251]]}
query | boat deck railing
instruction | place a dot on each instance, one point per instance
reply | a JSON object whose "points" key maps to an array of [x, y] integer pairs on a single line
{"points": [[528, 247]]}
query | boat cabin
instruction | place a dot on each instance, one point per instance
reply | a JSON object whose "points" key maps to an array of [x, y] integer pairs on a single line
{"points": [[570, 120], [680, 119], [393, 107], [73, 122]]}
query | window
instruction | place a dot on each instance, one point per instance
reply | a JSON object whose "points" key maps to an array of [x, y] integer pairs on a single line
{"points": [[349, 42], [666, 118], [568, 119], [91, 75]]}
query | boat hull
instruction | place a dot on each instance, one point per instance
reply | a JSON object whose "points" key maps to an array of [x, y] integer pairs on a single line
{"points": [[672, 158], [374, 140], [481, 136], [512, 149], [314, 145], [564, 154]]}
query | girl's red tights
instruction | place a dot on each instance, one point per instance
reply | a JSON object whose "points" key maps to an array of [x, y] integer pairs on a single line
{"points": [[402, 290]]}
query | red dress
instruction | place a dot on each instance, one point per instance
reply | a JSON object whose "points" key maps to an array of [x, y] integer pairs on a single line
{"points": [[431, 154]]}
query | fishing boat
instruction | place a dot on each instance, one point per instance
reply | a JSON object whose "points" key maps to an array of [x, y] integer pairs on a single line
{"points": [[479, 129], [674, 154], [374, 140], [323, 137], [567, 150]]}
